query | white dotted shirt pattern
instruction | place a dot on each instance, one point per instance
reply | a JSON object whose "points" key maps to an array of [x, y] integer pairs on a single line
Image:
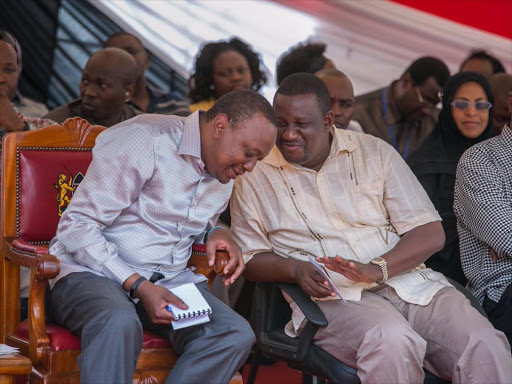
{"points": [[146, 198]]}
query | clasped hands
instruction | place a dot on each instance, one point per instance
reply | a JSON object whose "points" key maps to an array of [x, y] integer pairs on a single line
{"points": [[315, 285]]}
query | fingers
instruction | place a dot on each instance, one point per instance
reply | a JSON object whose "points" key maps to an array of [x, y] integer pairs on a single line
{"points": [[211, 248], [173, 299], [494, 255]]}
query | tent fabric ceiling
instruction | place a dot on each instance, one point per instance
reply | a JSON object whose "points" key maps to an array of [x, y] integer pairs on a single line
{"points": [[371, 41]]}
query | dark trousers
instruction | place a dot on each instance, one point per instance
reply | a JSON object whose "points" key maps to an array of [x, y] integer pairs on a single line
{"points": [[110, 326], [500, 313]]}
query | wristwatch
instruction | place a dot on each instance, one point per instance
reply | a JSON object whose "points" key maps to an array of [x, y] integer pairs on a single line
{"points": [[382, 263]]}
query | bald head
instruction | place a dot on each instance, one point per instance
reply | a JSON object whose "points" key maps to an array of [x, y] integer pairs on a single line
{"points": [[116, 63], [330, 72], [501, 85], [341, 93], [107, 83]]}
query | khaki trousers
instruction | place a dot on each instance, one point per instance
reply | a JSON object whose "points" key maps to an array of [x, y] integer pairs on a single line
{"points": [[390, 341]]}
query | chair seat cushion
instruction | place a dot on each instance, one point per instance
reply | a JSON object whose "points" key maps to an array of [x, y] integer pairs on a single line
{"points": [[63, 340]]}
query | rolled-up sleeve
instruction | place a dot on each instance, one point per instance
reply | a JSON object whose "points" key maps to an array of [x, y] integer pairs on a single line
{"points": [[406, 201], [128, 160]]}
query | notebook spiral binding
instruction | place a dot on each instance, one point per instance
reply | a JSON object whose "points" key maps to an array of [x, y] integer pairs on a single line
{"points": [[193, 314]]}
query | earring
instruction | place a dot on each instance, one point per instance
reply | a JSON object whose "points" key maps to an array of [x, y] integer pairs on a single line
{"points": [[212, 87], [127, 97]]}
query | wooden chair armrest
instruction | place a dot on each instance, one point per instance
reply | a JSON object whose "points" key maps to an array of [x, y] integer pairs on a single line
{"points": [[44, 267], [199, 261]]}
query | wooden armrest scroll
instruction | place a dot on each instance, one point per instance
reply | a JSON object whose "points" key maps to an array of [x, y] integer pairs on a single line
{"points": [[200, 262], [45, 267], [34, 257]]}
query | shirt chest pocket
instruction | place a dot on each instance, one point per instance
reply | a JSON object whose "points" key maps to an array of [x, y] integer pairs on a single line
{"points": [[368, 200]]}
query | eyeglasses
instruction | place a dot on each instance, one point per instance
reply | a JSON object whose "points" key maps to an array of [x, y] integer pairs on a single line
{"points": [[423, 102], [480, 105]]}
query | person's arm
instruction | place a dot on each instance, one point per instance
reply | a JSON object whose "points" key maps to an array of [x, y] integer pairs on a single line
{"points": [[412, 215], [261, 263], [481, 203], [269, 267], [414, 248], [9, 119]]}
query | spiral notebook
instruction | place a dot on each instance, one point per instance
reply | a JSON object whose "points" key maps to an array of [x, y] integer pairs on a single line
{"points": [[198, 309]]}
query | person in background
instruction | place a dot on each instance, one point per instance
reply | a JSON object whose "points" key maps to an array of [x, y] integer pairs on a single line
{"points": [[221, 67], [483, 206], [481, 62], [501, 85], [466, 119], [11, 120], [25, 105], [404, 113], [146, 98], [304, 57], [342, 98], [107, 84]]}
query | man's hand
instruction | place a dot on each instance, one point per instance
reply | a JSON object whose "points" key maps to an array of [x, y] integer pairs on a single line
{"points": [[9, 120], [221, 239], [353, 270], [494, 255], [311, 281], [154, 299]]}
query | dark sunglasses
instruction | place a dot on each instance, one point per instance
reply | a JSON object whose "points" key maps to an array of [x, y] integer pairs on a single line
{"points": [[480, 105]]}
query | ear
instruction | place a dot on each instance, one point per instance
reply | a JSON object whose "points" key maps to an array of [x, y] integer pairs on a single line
{"points": [[220, 125], [128, 92], [328, 120]]}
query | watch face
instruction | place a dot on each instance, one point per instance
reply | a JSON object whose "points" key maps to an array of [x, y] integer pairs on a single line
{"points": [[378, 260]]}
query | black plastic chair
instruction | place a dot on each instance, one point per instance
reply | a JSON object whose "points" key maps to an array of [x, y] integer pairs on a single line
{"points": [[271, 312]]}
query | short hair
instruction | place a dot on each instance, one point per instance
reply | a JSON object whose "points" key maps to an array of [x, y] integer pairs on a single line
{"points": [[306, 84], [240, 106], [424, 67], [202, 79], [497, 67], [9, 39], [303, 57]]}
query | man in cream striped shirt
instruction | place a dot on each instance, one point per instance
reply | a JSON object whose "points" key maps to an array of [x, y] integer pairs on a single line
{"points": [[324, 192]]}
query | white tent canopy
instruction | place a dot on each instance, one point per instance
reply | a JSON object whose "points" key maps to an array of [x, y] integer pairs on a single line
{"points": [[371, 41]]}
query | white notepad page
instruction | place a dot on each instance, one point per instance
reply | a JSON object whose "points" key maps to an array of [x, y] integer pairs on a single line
{"points": [[198, 309]]}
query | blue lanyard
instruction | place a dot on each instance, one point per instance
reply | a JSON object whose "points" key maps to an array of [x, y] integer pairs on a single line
{"points": [[394, 140]]}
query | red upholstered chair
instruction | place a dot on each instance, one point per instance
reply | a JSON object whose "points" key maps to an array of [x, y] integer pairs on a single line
{"points": [[40, 171]]}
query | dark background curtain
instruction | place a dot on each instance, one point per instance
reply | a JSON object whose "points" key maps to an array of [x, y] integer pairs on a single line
{"points": [[57, 38]]}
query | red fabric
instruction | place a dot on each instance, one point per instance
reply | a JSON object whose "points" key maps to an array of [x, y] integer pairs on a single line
{"points": [[493, 16], [199, 248], [23, 246], [38, 193], [63, 340]]}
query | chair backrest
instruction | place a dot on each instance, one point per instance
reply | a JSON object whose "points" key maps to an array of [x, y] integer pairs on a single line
{"points": [[41, 169]]}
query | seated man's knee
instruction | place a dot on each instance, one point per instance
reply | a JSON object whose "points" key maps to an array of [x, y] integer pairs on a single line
{"points": [[396, 338], [115, 323], [244, 335]]}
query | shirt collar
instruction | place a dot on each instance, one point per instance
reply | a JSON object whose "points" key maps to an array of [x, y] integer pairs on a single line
{"points": [[341, 141], [191, 139]]}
